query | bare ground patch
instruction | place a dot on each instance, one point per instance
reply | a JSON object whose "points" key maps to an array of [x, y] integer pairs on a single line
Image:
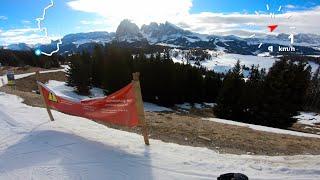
{"points": [[315, 129]]}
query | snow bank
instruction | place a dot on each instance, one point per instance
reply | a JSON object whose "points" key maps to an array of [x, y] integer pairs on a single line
{"points": [[308, 118], [210, 104], [188, 106], [61, 89], [155, 108], [262, 128], [31, 147]]}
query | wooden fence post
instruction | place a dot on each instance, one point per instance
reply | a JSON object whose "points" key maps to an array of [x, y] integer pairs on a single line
{"points": [[2, 82], [37, 76], [140, 108], [43, 98]]}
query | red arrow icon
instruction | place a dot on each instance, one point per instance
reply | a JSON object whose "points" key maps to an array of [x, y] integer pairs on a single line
{"points": [[272, 27]]}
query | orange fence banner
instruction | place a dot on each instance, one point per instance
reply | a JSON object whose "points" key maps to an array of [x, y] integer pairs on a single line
{"points": [[118, 108]]}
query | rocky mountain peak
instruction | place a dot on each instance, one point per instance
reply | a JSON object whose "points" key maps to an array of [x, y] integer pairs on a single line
{"points": [[157, 31], [128, 31]]}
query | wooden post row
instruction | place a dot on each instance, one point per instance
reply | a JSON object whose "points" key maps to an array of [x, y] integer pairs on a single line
{"points": [[43, 98], [140, 108]]}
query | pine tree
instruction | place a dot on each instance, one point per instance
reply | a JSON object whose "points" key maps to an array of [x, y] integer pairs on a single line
{"points": [[212, 86], [284, 90], [253, 93], [97, 65], [229, 104], [117, 70], [312, 100], [79, 73]]}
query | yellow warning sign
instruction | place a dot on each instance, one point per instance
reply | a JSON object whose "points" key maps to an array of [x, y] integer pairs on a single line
{"points": [[11, 83], [52, 98]]}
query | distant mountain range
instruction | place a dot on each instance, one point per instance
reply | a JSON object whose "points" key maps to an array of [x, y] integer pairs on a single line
{"points": [[170, 35], [20, 46]]}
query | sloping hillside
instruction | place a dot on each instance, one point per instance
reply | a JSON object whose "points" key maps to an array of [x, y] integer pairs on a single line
{"points": [[31, 147]]}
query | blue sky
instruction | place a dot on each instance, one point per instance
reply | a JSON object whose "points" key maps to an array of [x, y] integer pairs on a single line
{"points": [[248, 5], [18, 18], [60, 19]]}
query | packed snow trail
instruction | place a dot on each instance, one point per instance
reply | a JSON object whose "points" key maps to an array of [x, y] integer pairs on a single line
{"points": [[4, 80], [31, 147]]}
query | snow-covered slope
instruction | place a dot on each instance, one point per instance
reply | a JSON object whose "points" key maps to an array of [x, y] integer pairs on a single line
{"points": [[82, 38], [19, 47], [222, 62], [168, 32], [309, 40], [308, 118], [31, 147]]}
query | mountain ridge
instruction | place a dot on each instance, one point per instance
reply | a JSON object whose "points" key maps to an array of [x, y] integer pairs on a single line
{"points": [[168, 34]]}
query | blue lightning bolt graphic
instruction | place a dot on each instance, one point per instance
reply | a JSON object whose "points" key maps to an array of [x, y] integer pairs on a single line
{"points": [[38, 52]]}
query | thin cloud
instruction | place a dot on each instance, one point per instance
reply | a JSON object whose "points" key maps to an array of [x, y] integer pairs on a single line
{"points": [[25, 35], [3, 18], [139, 11], [26, 22], [214, 23], [290, 6], [94, 22]]}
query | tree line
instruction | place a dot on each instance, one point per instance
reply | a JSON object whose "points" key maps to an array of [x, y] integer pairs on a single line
{"points": [[312, 100], [23, 58], [268, 98], [162, 81]]}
